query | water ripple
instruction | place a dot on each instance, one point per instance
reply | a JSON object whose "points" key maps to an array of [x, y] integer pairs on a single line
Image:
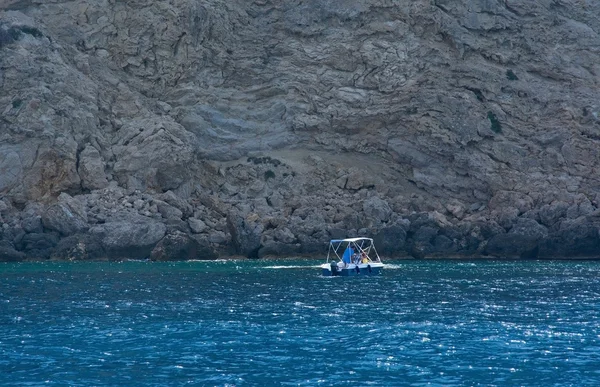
{"points": [[237, 323]]}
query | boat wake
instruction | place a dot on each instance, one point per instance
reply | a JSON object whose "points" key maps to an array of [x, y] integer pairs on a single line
{"points": [[292, 267]]}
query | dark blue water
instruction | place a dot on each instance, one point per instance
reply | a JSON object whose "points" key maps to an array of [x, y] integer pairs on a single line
{"points": [[260, 323]]}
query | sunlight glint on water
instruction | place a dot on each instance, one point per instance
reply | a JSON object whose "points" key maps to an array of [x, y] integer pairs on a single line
{"points": [[279, 322]]}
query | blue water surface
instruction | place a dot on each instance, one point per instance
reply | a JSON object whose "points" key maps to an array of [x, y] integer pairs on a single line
{"points": [[278, 322]]}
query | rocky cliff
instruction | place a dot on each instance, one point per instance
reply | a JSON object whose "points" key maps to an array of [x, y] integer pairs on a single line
{"points": [[180, 129]]}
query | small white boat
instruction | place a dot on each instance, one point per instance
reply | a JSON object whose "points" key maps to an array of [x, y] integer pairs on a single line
{"points": [[353, 256]]}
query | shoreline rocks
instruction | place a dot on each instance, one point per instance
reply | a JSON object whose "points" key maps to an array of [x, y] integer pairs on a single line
{"points": [[105, 225]]}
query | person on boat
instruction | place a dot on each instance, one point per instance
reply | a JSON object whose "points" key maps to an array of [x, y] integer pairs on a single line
{"points": [[348, 256], [364, 258]]}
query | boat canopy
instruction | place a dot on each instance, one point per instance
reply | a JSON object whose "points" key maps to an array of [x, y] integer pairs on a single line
{"points": [[350, 240], [351, 250]]}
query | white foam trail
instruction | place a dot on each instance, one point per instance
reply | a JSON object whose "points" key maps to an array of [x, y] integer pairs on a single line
{"points": [[213, 260], [292, 267]]}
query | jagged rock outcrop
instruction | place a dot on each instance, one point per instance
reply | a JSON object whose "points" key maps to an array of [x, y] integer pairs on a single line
{"points": [[443, 128]]}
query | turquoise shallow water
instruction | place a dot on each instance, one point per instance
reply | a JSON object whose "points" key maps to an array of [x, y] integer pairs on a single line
{"points": [[260, 323]]}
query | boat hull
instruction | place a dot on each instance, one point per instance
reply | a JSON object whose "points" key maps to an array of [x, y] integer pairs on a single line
{"points": [[352, 270]]}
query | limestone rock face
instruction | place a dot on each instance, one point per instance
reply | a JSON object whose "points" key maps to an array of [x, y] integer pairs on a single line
{"points": [[444, 127]]}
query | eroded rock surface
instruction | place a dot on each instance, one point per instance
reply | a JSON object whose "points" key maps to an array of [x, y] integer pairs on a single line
{"points": [[159, 129]]}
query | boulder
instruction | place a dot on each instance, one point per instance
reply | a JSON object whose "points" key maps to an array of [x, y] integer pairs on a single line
{"points": [[377, 209], [356, 179], [284, 235], [138, 204], [217, 237], [213, 203], [520, 242], [581, 207], [315, 244], [168, 211], [91, 169], [421, 242], [337, 233], [442, 245], [486, 229], [503, 199], [177, 225], [206, 251], [53, 168], [431, 219], [176, 246], [586, 207], [38, 241], [182, 205], [68, 216], [578, 238], [78, 247], [38, 254], [8, 254], [32, 223], [392, 239], [458, 210], [133, 239], [506, 216], [6, 242], [197, 225]]}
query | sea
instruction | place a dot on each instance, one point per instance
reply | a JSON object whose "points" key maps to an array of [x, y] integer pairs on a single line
{"points": [[280, 323]]}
